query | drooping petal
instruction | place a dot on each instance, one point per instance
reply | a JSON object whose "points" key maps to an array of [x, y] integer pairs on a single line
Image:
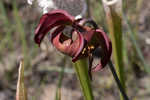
{"points": [[106, 51], [51, 20], [98, 38]]}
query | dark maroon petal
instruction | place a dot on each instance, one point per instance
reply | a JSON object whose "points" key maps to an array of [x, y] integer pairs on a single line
{"points": [[38, 37], [106, 45], [88, 35], [104, 40], [51, 20], [67, 45], [56, 32]]}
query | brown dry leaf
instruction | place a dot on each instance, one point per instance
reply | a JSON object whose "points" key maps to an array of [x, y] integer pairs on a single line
{"points": [[21, 90]]}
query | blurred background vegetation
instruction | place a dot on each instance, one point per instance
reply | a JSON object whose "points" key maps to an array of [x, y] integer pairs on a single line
{"points": [[44, 67]]}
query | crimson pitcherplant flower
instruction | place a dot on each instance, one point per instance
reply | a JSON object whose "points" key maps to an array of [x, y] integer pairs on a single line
{"points": [[83, 41]]}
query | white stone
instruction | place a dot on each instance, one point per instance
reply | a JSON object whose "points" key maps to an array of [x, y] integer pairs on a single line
{"points": [[147, 40], [45, 5], [30, 2]]}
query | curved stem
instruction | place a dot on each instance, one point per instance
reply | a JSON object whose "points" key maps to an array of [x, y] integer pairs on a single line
{"points": [[111, 66]]}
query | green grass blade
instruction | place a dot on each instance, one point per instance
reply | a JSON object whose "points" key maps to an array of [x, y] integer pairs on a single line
{"points": [[58, 94], [81, 68], [136, 46], [61, 75], [21, 31], [4, 18]]}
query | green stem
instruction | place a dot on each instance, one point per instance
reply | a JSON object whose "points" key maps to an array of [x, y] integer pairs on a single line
{"points": [[81, 68]]}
